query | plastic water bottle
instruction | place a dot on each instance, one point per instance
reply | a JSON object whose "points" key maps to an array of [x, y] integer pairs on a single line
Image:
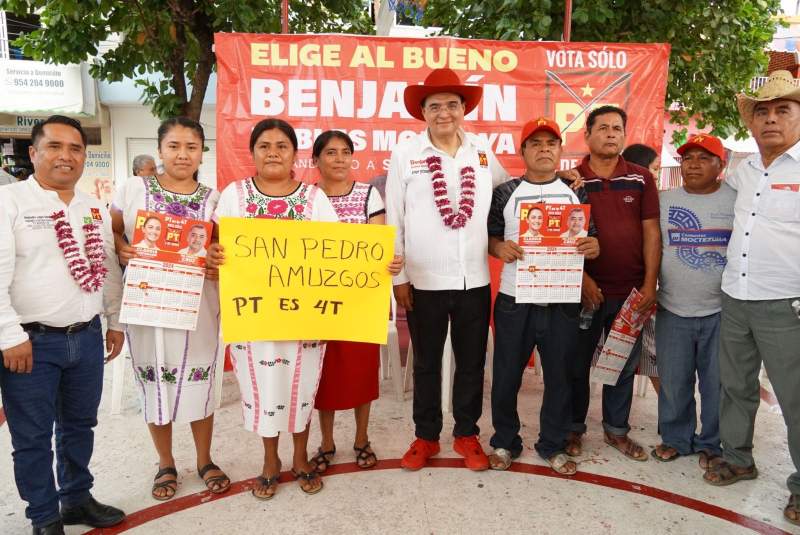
{"points": [[587, 313]]}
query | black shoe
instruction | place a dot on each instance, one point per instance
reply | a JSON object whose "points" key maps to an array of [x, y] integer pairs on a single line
{"points": [[92, 513], [53, 528]]}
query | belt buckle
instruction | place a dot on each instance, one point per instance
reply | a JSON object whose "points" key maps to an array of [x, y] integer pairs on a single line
{"points": [[74, 327]]}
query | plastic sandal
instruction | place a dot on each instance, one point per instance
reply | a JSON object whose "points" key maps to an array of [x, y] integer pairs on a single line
{"points": [[308, 477], [657, 452], [266, 482]]}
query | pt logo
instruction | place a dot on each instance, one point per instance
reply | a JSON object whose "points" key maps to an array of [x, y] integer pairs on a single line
{"points": [[573, 96]]}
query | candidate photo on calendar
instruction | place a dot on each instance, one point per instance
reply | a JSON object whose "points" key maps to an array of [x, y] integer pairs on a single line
{"points": [[552, 225], [171, 238]]}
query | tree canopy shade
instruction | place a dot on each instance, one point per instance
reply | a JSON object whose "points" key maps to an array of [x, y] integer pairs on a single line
{"points": [[171, 37], [717, 46]]}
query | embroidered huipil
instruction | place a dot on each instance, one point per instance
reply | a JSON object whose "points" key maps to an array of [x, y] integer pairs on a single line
{"points": [[277, 380], [174, 369]]}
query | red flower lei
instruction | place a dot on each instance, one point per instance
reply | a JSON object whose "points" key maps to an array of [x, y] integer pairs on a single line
{"points": [[89, 276], [467, 202]]}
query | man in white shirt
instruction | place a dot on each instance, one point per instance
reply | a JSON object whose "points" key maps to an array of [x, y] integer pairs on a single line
{"points": [[58, 272], [576, 226], [438, 192], [196, 241], [761, 285]]}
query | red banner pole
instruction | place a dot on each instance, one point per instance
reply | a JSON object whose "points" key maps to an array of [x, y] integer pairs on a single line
{"points": [[285, 16], [567, 20]]}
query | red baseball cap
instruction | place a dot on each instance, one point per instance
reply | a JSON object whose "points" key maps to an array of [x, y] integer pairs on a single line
{"points": [[540, 123], [707, 142]]}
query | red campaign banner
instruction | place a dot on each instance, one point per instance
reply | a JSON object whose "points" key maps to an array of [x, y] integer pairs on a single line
{"points": [[355, 84], [170, 238], [552, 225]]}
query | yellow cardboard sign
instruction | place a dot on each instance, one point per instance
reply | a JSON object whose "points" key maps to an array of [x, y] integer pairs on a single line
{"points": [[304, 280]]}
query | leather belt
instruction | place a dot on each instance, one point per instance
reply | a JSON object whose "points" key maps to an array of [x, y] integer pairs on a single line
{"points": [[69, 329]]}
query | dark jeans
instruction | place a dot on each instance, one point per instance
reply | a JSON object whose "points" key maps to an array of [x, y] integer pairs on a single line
{"points": [[616, 398], [63, 390], [519, 327], [467, 312]]}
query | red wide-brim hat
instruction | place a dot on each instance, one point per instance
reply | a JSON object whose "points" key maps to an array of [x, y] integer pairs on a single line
{"points": [[440, 81]]}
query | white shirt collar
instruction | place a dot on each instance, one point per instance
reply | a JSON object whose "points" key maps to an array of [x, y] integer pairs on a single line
{"points": [[426, 143], [793, 152]]}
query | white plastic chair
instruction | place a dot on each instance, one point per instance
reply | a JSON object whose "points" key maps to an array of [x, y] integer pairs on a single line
{"points": [[391, 366]]}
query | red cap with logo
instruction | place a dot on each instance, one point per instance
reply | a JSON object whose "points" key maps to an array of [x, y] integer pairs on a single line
{"points": [[707, 142], [541, 123]]}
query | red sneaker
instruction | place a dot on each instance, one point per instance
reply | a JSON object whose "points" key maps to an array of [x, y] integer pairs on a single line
{"points": [[418, 454], [470, 448]]}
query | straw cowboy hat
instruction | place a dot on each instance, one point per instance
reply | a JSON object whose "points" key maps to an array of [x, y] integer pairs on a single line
{"points": [[440, 81], [780, 84]]}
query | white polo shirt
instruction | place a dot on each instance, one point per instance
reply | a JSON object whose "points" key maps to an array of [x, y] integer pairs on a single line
{"points": [[438, 257], [35, 283], [764, 251]]}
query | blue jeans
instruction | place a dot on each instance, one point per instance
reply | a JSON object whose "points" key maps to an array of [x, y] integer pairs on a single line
{"points": [[617, 398], [685, 347], [64, 390], [519, 327]]}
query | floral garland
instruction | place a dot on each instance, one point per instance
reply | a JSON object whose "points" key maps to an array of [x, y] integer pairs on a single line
{"points": [[89, 276], [467, 202]]}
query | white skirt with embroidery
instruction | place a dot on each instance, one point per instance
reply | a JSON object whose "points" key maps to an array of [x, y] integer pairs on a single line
{"points": [[176, 384], [278, 383]]}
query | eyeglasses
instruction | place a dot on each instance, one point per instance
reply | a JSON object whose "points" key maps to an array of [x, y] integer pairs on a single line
{"points": [[437, 108]]}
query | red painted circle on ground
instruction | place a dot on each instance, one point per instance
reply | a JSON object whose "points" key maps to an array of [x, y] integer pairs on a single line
{"points": [[175, 505]]}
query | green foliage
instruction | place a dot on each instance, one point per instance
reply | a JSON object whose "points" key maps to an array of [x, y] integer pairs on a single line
{"points": [[717, 47], [171, 39]]}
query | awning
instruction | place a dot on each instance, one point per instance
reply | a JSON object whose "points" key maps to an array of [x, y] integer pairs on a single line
{"points": [[747, 145], [38, 88]]}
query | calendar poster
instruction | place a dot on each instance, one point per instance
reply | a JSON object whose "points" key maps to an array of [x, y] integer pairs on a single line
{"points": [[551, 270]]}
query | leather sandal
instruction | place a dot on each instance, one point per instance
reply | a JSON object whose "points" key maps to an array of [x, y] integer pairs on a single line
{"points": [[169, 484], [322, 460], [728, 474], [708, 459], [792, 510], [211, 483], [559, 461], [500, 459], [574, 446], [365, 458], [629, 448]]}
